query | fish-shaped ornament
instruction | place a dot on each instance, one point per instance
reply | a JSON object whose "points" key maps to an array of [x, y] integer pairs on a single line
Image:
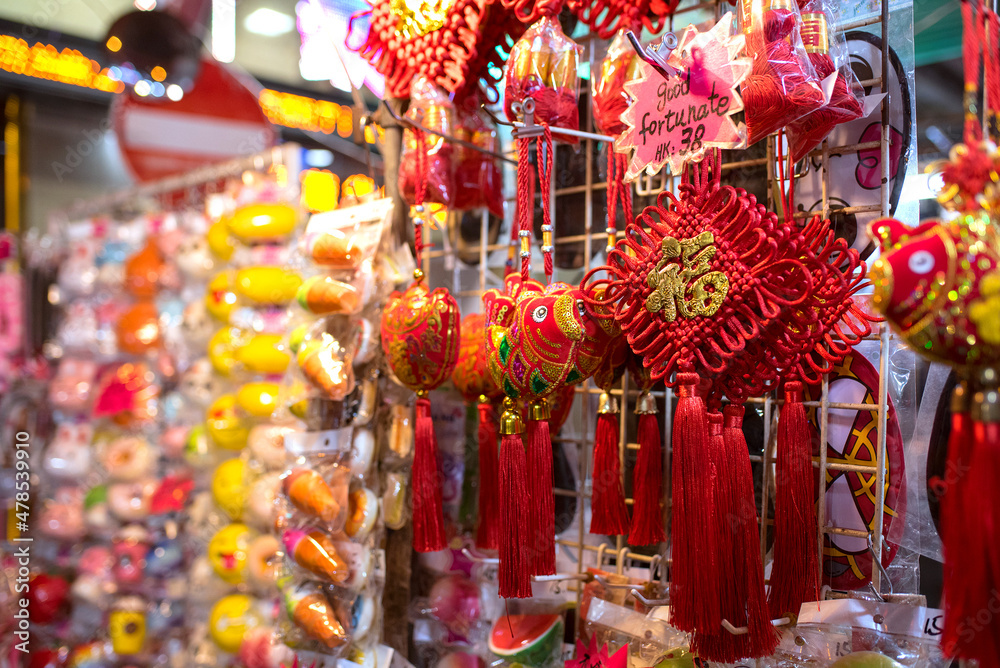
{"points": [[536, 338], [938, 285]]}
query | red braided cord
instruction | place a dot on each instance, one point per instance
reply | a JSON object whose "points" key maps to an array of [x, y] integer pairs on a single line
{"points": [[993, 65], [419, 195], [525, 201], [612, 188], [972, 39], [545, 183]]}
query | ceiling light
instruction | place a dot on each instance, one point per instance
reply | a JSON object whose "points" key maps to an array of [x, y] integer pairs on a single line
{"points": [[145, 5], [268, 22]]}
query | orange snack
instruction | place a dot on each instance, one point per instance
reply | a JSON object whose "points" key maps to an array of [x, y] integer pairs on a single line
{"points": [[322, 295], [316, 552], [326, 369], [138, 329], [310, 610], [308, 492], [334, 250]]}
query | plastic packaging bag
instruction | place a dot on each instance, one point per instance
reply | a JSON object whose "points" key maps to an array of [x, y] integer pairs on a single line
{"points": [[431, 108], [478, 181], [542, 67], [828, 54], [607, 91], [782, 84]]}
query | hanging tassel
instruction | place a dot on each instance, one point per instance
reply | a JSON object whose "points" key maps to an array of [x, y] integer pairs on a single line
{"points": [[428, 523], [744, 576], [955, 523], [647, 477], [515, 569], [487, 534], [609, 515], [718, 644], [975, 584], [695, 587], [795, 572], [541, 544]]}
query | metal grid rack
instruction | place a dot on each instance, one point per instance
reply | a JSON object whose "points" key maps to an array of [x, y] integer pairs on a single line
{"points": [[442, 262]]}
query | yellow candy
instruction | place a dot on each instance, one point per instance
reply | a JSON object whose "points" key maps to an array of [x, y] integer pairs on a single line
{"points": [[227, 552], [262, 355], [263, 221], [231, 617], [225, 426], [267, 285], [219, 241], [229, 489], [221, 351], [258, 399], [219, 295]]}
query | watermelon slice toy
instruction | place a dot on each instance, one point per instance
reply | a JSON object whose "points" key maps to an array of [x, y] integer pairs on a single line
{"points": [[531, 640]]}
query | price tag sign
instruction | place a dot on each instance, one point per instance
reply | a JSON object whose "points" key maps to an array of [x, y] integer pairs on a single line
{"points": [[675, 120]]}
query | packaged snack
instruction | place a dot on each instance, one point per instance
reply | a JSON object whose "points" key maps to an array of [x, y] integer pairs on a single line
{"points": [[427, 158], [542, 67], [309, 608]]}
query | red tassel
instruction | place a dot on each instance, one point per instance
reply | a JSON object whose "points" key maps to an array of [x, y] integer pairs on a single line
{"points": [[744, 574], [487, 534], [694, 587], [647, 479], [428, 523], [954, 522], [608, 513], [717, 644], [541, 544], [974, 582], [515, 569], [795, 572]]}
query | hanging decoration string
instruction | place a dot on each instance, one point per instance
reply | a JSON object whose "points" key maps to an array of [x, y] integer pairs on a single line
{"points": [[525, 204], [421, 193], [544, 146]]}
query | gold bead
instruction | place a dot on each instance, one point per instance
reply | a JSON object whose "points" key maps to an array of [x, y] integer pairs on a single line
{"points": [[540, 410], [418, 275], [607, 403]]}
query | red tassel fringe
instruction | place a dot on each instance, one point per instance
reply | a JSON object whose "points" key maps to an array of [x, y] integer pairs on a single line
{"points": [[694, 589], [647, 485], [795, 573], [609, 515], [428, 522], [541, 544], [744, 576], [974, 583], [488, 531], [515, 569]]}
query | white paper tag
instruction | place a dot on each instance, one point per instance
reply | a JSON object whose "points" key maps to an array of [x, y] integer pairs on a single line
{"points": [[892, 618], [332, 440]]}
